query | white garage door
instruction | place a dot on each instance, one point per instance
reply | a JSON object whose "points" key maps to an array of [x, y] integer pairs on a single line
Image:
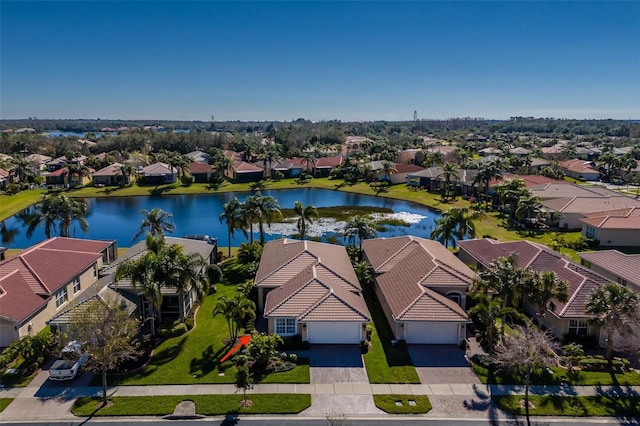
{"points": [[432, 332], [333, 332]]}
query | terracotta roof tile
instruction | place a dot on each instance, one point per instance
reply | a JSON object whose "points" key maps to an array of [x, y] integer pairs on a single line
{"points": [[625, 266], [432, 306], [540, 258], [406, 266]]}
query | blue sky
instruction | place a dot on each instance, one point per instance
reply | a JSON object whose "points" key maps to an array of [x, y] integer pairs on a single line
{"points": [[319, 60]]}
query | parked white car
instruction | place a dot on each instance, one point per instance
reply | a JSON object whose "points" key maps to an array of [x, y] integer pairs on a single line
{"points": [[72, 359]]}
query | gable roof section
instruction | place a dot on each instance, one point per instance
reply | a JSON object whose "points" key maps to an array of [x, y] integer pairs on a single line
{"points": [[628, 218], [540, 258], [407, 267], [196, 168], [29, 279], [625, 266], [579, 166], [244, 167], [114, 169], [313, 282], [159, 169]]}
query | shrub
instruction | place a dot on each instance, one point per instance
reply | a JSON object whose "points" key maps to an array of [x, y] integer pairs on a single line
{"points": [[186, 180], [293, 357], [284, 356]]}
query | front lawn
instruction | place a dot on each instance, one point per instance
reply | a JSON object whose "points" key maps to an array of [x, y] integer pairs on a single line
{"points": [[12, 204], [4, 403], [560, 375], [403, 404], [574, 406], [386, 363], [208, 405], [193, 358]]}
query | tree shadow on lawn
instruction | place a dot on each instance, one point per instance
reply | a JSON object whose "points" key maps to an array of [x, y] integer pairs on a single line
{"points": [[208, 361], [622, 401], [167, 354]]}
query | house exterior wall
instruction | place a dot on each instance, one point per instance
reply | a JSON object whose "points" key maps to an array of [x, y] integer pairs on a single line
{"points": [[591, 176], [38, 320], [571, 220], [248, 177], [387, 313], [8, 332], [613, 237]]}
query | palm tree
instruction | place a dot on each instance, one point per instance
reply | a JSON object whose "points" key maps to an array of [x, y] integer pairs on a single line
{"points": [[265, 208], [528, 209], [435, 158], [308, 163], [180, 271], [485, 314], [510, 192], [506, 279], [449, 171], [141, 272], [486, 172], [235, 310], [544, 289], [388, 168], [22, 170], [614, 308], [155, 222], [444, 230], [360, 226], [231, 216], [71, 210], [125, 170], [463, 221], [306, 216]]}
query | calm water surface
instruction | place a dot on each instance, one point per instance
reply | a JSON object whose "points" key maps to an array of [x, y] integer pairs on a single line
{"points": [[119, 218]]}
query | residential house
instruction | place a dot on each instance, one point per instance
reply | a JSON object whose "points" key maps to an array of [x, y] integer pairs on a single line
{"points": [[44, 279], [408, 156], [616, 266], [288, 167], [613, 227], [573, 202], [580, 169], [485, 152], [568, 318], [422, 288], [110, 175], [402, 172], [537, 164], [171, 298], [325, 165], [245, 172], [61, 177], [432, 179], [520, 151], [38, 161], [5, 178], [198, 157], [310, 289], [159, 173], [200, 172]]}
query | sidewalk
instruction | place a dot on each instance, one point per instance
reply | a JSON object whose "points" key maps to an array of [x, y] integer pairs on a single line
{"points": [[39, 401]]}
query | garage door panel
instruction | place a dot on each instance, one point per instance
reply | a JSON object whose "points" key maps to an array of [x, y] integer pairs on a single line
{"points": [[333, 332], [432, 332]]}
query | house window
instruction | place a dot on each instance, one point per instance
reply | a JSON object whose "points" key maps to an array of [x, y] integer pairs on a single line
{"points": [[286, 326], [591, 232], [95, 270], [61, 296], [455, 297], [76, 285], [578, 327]]}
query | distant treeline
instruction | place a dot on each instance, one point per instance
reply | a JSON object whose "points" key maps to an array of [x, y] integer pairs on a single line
{"points": [[539, 126]]}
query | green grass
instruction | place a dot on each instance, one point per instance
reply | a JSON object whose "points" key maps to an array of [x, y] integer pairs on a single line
{"points": [[574, 406], [560, 375], [386, 363], [193, 358], [4, 403], [12, 204], [387, 403], [208, 405], [340, 212]]}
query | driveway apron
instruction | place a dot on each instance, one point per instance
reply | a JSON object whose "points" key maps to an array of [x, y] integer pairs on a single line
{"points": [[441, 364]]}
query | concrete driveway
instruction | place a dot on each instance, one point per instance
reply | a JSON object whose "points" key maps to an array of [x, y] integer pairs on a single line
{"points": [[441, 364], [336, 364]]}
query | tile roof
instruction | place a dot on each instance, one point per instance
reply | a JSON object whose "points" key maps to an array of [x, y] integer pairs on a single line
{"points": [[586, 205], [157, 169], [577, 165], [614, 219], [625, 266], [407, 168], [529, 180], [405, 270], [114, 169], [28, 280], [328, 162], [244, 167], [540, 258], [570, 190], [313, 282], [196, 168]]}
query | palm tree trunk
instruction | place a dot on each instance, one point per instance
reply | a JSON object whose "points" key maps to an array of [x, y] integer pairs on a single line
{"points": [[229, 233]]}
